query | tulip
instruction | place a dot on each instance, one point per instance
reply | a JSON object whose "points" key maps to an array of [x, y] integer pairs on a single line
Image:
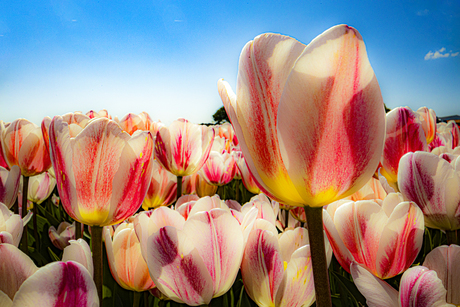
{"points": [[373, 189], [61, 237], [102, 175], [132, 122], [292, 100], [40, 187], [248, 180], [202, 187], [385, 238], [79, 251], [219, 169], [445, 261], [162, 189], [182, 148], [278, 271], [11, 225], [434, 185], [404, 133], [127, 265], [102, 113], [419, 287], [76, 122], [186, 267], [428, 119], [9, 185]]}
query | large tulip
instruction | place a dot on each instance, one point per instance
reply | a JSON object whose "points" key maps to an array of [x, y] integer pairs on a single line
{"points": [[383, 238], [183, 147], [23, 145], [296, 106], [434, 185], [419, 287], [102, 174]]}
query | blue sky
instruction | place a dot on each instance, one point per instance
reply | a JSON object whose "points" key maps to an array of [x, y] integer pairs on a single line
{"points": [[165, 57]]}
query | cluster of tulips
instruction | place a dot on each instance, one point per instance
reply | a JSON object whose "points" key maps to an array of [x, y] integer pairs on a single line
{"points": [[331, 186]]}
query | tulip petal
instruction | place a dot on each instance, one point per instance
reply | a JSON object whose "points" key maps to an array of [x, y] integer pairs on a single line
{"points": [[262, 267], [79, 251], [177, 269], [15, 268], [264, 67], [58, 284], [291, 240], [5, 301], [95, 161], [9, 185], [401, 240], [377, 292], [297, 287], [422, 288], [445, 261], [220, 244], [331, 94], [432, 183]]}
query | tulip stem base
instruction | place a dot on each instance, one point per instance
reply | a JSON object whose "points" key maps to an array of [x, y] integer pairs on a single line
{"points": [[96, 247], [24, 241], [179, 187], [318, 256], [452, 237]]}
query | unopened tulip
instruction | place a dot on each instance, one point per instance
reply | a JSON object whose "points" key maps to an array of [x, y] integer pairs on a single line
{"points": [[23, 145], [219, 169], [133, 122], [103, 173], [434, 185], [162, 189], [384, 238], [186, 267], [419, 287], [64, 233], [11, 225], [183, 147], [9, 185], [428, 120], [287, 94], [404, 133], [127, 265], [40, 187], [202, 187], [79, 251]]}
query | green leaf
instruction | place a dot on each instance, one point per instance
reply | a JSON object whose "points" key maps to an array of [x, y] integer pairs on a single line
{"points": [[53, 256]]}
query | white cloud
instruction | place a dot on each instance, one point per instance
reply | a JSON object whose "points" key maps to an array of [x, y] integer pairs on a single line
{"points": [[440, 54], [423, 12]]}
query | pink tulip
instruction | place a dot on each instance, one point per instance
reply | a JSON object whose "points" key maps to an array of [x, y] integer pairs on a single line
{"points": [[419, 287], [183, 147], [292, 100], [373, 189], [445, 261], [428, 120], [126, 263], [40, 187], [102, 174], [23, 145], [61, 237], [195, 260], [79, 251], [277, 271], [102, 113], [219, 169], [404, 133], [162, 189], [9, 185], [434, 185], [385, 238], [76, 122], [3, 162], [450, 133]]}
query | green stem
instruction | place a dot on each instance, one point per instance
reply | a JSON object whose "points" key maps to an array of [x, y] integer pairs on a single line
{"points": [[96, 246], [146, 298], [25, 189], [34, 219], [452, 237], [137, 299], [318, 255], [179, 187], [78, 234]]}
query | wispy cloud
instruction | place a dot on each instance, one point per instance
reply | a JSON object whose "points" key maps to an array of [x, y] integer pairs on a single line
{"points": [[441, 53], [423, 12]]}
